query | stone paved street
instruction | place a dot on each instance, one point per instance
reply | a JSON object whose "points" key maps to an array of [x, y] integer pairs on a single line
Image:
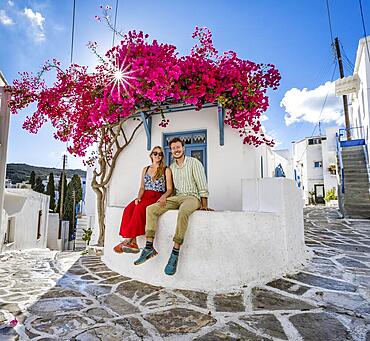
{"points": [[65, 296]]}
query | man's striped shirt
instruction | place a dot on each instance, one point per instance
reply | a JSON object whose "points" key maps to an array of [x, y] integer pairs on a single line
{"points": [[190, 178]]}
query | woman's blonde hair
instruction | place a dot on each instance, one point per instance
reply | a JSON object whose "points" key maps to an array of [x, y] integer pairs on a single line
{"points": [[162, 163]]}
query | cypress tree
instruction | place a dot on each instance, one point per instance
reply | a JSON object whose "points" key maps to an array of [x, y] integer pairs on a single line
{"points": [[57, 209], [77, 185], [39, 186], [50, 190], [68, 209], [32, 179], [74, 188]]}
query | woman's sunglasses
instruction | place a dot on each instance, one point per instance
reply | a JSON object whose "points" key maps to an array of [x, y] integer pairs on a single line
{"points": [[157, 154]]}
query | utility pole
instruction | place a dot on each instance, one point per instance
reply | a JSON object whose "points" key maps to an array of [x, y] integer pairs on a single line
{"points": [[73, 216], [345, 101], [62, 196]]}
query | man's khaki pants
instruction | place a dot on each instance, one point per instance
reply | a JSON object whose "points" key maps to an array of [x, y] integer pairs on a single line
{"points": [[186, 206]]}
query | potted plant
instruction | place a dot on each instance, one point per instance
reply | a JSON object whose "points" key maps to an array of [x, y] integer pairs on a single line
{"points": [[86, 236], [330, 198], [332, 169]]}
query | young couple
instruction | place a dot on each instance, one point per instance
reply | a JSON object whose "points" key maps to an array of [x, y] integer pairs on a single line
{"points": [[187, 178]]}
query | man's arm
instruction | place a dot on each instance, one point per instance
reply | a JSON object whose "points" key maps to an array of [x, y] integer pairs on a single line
{"points": [[201, 182]]}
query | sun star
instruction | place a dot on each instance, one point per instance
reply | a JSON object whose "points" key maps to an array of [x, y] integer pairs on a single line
{"points": [[120, 75]]}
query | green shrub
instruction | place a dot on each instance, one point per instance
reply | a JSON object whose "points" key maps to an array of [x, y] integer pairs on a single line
{"points": [[87, 235], [330, 195]]}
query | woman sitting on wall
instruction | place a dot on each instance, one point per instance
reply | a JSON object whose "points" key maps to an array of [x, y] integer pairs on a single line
{"points": [[156, 186]]}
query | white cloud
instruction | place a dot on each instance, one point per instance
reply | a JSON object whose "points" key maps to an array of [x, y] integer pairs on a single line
{"points": [[37, 27], [306, 105], [5, 19], [263, 118], [10, 3], [271, 135]]}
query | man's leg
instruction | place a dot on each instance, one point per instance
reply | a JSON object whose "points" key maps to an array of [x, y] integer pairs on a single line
{"points": [[188, 205], [152, 214]]}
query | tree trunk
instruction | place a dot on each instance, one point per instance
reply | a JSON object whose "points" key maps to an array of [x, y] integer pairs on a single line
{"points": [[101, 205], [103, 173]]}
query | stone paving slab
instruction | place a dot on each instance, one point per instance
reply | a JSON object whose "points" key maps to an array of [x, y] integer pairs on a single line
{"points": [[66, 296]]}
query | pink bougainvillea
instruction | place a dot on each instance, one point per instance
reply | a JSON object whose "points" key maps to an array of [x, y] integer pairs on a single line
{"points": [[150, 74]]}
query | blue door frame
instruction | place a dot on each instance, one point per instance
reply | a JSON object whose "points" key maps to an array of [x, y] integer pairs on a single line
{"points": [[195, 143]]}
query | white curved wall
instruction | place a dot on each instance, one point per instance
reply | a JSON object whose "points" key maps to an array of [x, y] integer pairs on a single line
{"points": [[223, 249]]}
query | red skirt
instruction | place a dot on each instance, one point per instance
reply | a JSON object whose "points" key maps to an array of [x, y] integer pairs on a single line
{"points": [[134, 216]]}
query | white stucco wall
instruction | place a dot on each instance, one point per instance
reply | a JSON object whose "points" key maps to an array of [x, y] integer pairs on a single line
{"points": [[360, 101], [24, 206], [266, 242], [4, 133], [226, 165], [53, 229]]}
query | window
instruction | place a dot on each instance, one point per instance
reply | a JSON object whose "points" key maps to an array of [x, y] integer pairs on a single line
{"points": [[9, 235], [39, 225], [195, 143], [318, 164], [314, 141]]}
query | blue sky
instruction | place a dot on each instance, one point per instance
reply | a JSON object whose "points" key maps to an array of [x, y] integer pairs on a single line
{"points": [[293, 35]]}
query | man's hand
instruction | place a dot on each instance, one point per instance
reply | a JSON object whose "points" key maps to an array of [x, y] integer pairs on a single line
{"points": [[204, 204], [162, 201], [206, 209], [137, 200]]}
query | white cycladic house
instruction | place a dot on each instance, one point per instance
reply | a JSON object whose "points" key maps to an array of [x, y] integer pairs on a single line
{"points": [[314, 161], [23, 212], [357, 87], [260, 216], [26, 220]]}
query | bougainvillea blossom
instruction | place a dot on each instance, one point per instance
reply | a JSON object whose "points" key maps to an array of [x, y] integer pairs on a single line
{"points": [[79, 102]]}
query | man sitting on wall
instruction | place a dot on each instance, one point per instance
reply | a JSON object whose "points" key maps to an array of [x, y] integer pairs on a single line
{"points": [[191, 192]]}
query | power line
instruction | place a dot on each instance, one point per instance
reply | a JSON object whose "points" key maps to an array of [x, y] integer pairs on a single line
{"points": [[363, 26], [73, 29], [329, 18], [345, 56], [115, 22], [322, 109]]}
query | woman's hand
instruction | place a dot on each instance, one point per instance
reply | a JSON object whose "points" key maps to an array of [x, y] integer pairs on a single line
{"points": [[137, 200], [162, 201]]}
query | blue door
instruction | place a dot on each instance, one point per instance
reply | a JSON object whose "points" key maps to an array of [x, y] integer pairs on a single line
{"points": [[195, 143]]}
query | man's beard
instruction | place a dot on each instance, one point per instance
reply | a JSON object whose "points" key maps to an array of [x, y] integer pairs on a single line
{"points": [[178, 157]]}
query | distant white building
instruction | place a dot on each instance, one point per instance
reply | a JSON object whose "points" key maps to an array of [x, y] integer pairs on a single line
{"points": [[314, 162], [26, 214], [357, 87]]}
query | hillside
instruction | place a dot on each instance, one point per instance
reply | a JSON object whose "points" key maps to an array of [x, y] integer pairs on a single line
{"points": [[18, 172]]}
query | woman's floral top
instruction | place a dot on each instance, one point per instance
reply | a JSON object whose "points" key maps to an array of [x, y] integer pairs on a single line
{"points": [[158, 185]]}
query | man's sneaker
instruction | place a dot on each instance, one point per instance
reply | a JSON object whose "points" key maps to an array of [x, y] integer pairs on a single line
{"points": [[171, 266], [145, 255], [130, 248]]}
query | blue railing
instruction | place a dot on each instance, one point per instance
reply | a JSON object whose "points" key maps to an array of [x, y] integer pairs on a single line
{"points": [[339, 154], [357, 137]]}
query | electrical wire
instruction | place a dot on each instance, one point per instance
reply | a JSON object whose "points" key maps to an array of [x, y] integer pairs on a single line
{"points": [[115, 23], [321, 111], [73, 29], [345, 55], [363, 26], [330, 26]]}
